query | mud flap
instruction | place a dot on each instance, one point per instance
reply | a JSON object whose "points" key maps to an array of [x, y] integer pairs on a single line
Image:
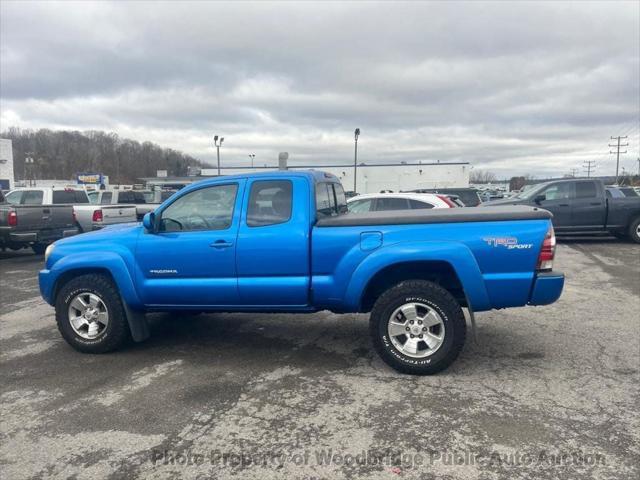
{"points": [[137, 324]]}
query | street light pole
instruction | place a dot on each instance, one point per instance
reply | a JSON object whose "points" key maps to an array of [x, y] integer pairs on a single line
{"points": [[356, 134], [252, 156], [218, 145]]}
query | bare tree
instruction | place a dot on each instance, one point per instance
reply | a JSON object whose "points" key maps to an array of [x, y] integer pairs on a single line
{"points": [[63, 154], [482, 176]]}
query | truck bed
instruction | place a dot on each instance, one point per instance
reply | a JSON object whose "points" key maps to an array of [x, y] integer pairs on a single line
{"points": [[445, 215]]}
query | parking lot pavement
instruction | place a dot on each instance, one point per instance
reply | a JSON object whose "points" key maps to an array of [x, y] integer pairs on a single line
{"points": [[547, 392]]}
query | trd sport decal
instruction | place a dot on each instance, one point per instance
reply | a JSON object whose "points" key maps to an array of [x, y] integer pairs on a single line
{"points": [[163, 272], [510, 243]]}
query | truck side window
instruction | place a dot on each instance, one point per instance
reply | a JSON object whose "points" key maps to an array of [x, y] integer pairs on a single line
{"points": [[209, 208], [586, 190], [32, 197], [269, 202], [106, 198], [559, 191], [324, 201], [341, 199]]}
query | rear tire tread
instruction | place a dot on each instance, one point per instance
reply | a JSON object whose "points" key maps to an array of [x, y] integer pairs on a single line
{"points": [[440, 297]]}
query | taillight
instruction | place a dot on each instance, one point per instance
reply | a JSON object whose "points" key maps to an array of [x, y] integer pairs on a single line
{"points": [[545, 259], [13, 219], [446, 200], [97, 215]]}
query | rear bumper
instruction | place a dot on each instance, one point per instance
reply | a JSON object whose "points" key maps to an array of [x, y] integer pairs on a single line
{"points": [[547, 288], [41, 236]]}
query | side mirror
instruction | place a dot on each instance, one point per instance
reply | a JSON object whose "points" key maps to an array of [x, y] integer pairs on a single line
{"points": [[149, 221], [540, 198]]}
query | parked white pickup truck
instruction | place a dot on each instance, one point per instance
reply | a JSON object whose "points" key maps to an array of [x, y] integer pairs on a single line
{"points": [[88, 216], [145, 201]]}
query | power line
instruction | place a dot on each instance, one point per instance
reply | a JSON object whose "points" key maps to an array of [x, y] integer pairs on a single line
{"points": [[589, 165], [617, 152]]}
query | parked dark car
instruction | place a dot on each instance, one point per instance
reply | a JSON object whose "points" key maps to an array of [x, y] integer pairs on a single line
{"points": [[468, 196], [582, 206]]}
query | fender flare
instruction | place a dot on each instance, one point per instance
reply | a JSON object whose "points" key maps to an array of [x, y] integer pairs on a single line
{"points": [[113, 263], [456, 254]]}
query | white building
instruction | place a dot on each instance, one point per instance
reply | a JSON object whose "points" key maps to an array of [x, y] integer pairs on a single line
{"points": [[374, 178], [6, 164]]}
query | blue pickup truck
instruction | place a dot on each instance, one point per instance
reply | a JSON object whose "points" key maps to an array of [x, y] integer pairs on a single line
{"points": [[284, 242]]}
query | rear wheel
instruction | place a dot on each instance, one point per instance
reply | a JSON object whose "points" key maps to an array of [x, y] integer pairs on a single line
{"points": [[90, 315], [418, 327], [634, 230]]}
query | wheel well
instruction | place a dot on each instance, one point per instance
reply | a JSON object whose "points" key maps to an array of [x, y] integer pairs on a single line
{"points": [[438, 272], [71, 274]]}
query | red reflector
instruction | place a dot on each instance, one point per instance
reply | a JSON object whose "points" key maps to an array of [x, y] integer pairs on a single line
{"points": [[446, 200], [97, 216], [13, 219], [548, 251]]}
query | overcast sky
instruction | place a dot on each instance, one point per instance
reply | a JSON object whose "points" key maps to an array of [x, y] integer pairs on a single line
{"points": [[510, 87]]}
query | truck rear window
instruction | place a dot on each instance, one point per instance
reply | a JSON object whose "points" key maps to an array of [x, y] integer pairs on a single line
{"points": [[69, 197]]}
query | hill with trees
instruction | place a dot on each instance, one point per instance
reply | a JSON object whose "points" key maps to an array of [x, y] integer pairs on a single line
{"points": [[63, 154]]}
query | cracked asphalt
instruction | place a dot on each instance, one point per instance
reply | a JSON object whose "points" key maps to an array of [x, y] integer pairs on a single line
{"points": [[547, 392]]}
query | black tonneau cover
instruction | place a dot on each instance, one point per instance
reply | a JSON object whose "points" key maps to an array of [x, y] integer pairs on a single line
{"points": [[436, 215]]}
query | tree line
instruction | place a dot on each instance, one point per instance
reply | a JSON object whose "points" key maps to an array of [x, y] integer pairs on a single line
{"points": [[63, 154]]}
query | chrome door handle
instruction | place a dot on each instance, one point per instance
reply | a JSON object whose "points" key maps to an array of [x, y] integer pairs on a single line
{"points": [[221, 244]]}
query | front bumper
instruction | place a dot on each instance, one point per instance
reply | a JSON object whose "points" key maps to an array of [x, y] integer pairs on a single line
{"points": [[547, 288], [46, 281]]}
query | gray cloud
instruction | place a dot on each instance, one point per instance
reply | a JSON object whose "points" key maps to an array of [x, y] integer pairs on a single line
{"points": [[515, 87]]}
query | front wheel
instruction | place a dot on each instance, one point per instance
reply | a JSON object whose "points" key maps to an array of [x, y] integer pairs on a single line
{"points": [[90, 315], [417, 327]]}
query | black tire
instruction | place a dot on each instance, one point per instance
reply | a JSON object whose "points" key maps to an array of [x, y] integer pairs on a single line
{"points": [[634, 235], [39, 248], [115, 335], [436, 298]]}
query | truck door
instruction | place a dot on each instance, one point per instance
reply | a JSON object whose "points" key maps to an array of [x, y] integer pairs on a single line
{"points": [[588, 209], [273, 243], [558, 198], [190, 260]]}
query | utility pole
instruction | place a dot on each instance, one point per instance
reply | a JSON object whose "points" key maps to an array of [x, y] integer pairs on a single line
{"points": [[356, 134], [589, 165], [218, 145], [573, 172], [618, 152]]}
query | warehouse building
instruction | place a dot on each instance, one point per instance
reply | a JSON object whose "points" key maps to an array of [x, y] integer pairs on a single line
{"points": [[373, 178], [6, 164]]}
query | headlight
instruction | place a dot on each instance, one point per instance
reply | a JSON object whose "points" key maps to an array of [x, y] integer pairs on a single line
{"points": [[48, 252]]}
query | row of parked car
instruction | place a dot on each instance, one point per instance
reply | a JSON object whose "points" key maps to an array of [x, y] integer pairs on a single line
{"points": [[36, 217], [579, 206]]}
